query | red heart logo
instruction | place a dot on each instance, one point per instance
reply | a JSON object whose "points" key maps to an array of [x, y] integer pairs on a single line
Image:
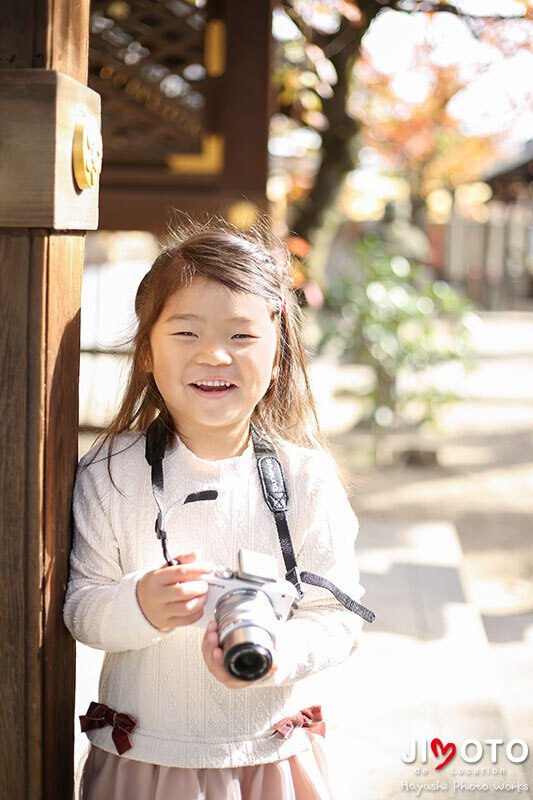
{"points": [[444, 748]]}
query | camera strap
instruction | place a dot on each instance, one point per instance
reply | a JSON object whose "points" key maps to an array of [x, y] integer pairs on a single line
{"points": [[276, 497], [157, 436]]}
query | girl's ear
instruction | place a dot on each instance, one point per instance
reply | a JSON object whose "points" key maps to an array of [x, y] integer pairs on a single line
{"points": [[145, 358], [275, 368]]}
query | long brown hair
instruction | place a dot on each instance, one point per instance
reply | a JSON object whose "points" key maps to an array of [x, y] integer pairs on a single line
{"points": [[253, 261]]}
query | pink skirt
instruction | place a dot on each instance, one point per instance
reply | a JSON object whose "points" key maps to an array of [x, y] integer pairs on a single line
{"points": [[107, 776]]}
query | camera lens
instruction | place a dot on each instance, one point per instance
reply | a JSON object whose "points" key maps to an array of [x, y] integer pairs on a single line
{"points": [[246, 622], [248, 662]]}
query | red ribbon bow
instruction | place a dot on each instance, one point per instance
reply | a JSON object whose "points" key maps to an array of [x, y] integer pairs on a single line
{"points": [[310, 718], [99, 715]]}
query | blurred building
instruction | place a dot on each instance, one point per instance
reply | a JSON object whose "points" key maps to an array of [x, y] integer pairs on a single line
{"points": [[185, 88], [512, 181], [489, 244]]}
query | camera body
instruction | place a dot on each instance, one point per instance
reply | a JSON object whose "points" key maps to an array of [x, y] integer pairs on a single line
{"points": [[248, 604], [281, 593]]}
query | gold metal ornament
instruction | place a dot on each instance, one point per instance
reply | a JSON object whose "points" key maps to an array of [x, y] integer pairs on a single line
{"points": [[215, 48], [87, 152], [209, 162]]}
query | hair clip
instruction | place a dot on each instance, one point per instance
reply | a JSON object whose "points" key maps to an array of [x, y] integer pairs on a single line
{"points": [[283, 307]]}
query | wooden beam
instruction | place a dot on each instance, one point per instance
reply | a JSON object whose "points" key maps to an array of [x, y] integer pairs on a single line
{"points": [[142, 209], [18, 566], [46, 35], [64, 264], [38, 134], [40, 277]]}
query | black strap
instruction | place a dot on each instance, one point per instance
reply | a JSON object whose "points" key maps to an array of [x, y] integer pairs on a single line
{"points": [[156, 444], [277, 499], [342, 597]]}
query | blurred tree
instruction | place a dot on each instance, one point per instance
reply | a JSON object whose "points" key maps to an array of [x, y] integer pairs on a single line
{"points": [[421, 140], [388, 312], [314, 77], [314, 91]]}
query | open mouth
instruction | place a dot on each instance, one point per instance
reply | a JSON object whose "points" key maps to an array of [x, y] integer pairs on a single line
{"points": [[213, 389]]}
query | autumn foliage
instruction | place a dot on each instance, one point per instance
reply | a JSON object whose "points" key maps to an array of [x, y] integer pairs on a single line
{"points": [[421, 140]]}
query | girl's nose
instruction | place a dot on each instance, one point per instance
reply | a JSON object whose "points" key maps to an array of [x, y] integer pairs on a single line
{"points": [[213, 355]]}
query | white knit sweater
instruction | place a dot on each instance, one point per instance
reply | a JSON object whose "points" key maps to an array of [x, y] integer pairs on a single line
{"points": [[185, 717]]}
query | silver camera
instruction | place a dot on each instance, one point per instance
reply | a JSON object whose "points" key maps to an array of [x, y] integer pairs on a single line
{"points": [[248, 604]]}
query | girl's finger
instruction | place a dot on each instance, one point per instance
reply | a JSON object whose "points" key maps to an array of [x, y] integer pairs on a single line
{"points": [[185, 591], [184, 558], [184, 572], [207, 644], [183, 608], [187, 558], [182, 620], [191, 571]]}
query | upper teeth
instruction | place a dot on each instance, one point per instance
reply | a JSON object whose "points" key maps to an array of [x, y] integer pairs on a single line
{"points": [[213, 383]]}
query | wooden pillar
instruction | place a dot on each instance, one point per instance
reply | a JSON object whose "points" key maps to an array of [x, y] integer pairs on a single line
{"points": [[248, 98], [43, 216]]}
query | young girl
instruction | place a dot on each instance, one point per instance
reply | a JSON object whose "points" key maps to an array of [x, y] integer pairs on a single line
{"points": [[218, 349]]}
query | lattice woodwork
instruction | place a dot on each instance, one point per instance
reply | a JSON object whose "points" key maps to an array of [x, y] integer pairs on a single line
{"points": [[146, 60]]}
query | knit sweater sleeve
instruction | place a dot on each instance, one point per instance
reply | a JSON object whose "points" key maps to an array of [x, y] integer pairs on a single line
{"points": [[101, 608], [322, 632]]}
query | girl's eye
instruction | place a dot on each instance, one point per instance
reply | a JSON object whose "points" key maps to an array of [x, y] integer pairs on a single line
{"points": [[190, 333]]}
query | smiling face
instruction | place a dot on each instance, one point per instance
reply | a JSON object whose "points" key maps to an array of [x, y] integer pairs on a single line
{"points": [[207, 332]]}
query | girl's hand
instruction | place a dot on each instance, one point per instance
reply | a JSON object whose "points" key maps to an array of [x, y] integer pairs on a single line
{"points": [[213, 658], [171, 597]]}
